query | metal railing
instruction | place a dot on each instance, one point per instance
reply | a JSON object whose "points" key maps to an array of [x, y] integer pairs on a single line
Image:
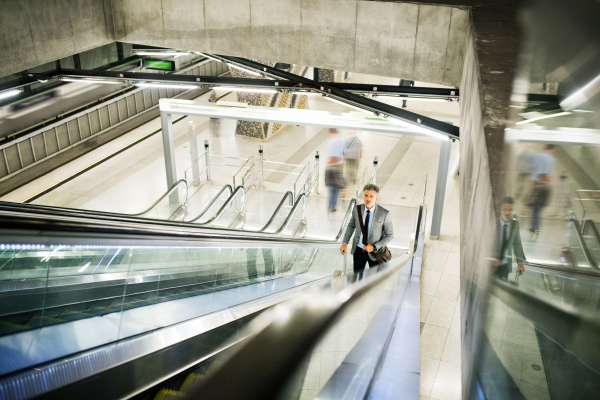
{"points": [[210, 204], [172, 190]]}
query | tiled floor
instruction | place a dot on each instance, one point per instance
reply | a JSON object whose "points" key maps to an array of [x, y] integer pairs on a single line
{"points": [[514, 339], [440, 305]]}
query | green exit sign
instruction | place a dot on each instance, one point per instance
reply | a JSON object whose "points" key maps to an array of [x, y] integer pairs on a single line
{"points": [[162, 65]]}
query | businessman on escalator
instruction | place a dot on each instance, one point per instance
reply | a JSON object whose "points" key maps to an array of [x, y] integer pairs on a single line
{"points": [[508, 243]]}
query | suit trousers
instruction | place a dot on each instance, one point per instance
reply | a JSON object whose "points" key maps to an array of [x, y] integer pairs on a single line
{"points": [[361, 258]]}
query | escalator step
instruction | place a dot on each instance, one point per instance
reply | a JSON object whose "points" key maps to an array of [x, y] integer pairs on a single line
{"points": [[37, 320], [7, 328], [167, 394], [68, 315], [190, 381]]}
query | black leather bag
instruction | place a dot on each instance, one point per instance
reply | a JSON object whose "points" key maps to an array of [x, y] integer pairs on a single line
{"points": [[382, 255]]}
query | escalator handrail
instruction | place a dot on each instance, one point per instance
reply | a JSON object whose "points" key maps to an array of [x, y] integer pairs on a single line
{"points": [[583, 244], [222, 209], [168, 192], [571, 272], [229, 189], [315, 313], [592, 225], [279, 206]]}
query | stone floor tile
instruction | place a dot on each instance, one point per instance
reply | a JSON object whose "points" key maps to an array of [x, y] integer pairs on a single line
{"points": [[447, 385], [433, 340], [441, 312]]}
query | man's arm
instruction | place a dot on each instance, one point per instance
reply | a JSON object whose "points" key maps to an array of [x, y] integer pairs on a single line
{"points": [[388, 233], [518, 249], [349, 232], [350, 229]]}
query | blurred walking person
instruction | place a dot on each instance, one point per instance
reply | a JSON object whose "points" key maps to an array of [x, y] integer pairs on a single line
{"points": [[537, 200], [354, 149], [334, 177], [525, 166], [509, 246]]}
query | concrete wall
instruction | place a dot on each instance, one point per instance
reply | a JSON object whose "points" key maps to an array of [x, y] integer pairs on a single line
{"points": [[491, 59], [34, 32], [477, 221], [412, 41]]}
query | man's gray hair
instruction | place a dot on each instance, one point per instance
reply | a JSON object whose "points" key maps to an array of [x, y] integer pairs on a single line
{"points": [[370, 186]]}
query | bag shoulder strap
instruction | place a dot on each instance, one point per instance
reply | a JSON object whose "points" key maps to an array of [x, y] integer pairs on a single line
{"points": [[362, 226]]}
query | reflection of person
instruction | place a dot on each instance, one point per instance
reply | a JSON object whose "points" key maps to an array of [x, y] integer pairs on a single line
{"points": [[215, 123], [378, 225], [354, 148], [509, 237], [537, 200], [334, 178], [525, 161], [543, 163], [252, 255]]}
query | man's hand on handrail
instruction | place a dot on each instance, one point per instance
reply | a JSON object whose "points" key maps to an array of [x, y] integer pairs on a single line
{"points": [[343, 248]]}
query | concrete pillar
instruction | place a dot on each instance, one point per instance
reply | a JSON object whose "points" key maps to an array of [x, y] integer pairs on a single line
{"points": [[440, 189], [194, 154], [166, 121]]}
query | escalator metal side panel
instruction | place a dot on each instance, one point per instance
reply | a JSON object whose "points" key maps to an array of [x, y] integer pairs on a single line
{"points": [[97, 365]]}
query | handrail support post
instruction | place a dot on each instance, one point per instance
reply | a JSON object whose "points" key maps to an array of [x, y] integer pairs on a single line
{"points": [[194, 153], [261, 166], [375, 164], [207, 158], [317, 174]]}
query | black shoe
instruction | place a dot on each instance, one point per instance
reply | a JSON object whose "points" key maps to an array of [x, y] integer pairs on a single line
{"points": [[334, 210], [532, 231]]}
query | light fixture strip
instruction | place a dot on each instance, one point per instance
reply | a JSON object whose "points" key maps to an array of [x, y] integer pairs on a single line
{"points": [[83, 80], [161, 54], [166, 86], [543, 117], [9, 93], [237, 89], [347, 105]]}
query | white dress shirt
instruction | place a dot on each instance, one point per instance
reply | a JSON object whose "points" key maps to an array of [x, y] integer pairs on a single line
{"points": [[368, 228]]}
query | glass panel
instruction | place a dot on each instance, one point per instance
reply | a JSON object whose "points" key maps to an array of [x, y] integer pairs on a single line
{"points": [[231, 213], [169, 204], [85, 296]]}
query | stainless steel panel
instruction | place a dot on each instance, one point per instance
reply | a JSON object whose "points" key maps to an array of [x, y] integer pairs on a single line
{"points": [[73, 128], [12, 158], [26, 151], [104, 119]]}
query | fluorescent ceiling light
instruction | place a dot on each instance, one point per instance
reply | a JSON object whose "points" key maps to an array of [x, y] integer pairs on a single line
{"points": [[91, 81], [347, 105], [425, 99], [163, 53], [245, 70], [234, 89], [308, 93], [543, 117], [166, 86], [582, 95], [9, 93], [411, 98]]}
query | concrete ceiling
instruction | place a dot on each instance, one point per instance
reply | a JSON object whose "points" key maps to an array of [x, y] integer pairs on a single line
{"points": [[407, 40]]}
